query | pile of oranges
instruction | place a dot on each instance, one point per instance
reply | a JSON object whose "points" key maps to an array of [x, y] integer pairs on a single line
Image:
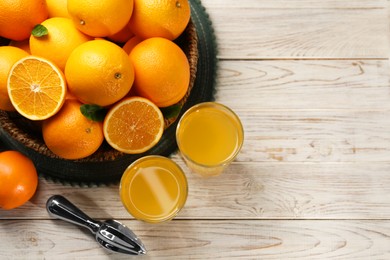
{"points": [[89, 71]]}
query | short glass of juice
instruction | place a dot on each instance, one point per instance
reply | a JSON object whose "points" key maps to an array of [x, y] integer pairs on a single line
{"points": [[209, 136], [153, 189]]}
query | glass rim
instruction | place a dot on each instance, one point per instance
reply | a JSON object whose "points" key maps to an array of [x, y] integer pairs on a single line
{"points": [[179, 205], [235, 117]]}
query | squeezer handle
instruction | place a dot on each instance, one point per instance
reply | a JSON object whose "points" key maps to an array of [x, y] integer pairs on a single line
{"points": [[61, 208]]}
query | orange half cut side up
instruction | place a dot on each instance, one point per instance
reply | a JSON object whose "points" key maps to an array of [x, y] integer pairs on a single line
{"points": [[134, 125], [36, 87]]}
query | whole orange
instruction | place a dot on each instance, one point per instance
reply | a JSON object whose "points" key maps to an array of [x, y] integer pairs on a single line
{"points": [[99, 72], [70, 135], [57, 8], [9, 55], [24, 44], [62, 38], [160, 18], [19, 179], [18, 17], [122, 36], [100, 18], [131, 43], [162, 71]]}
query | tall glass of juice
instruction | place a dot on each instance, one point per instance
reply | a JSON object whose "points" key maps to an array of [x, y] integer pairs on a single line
{"points": [[153, 189], [209, 136]]}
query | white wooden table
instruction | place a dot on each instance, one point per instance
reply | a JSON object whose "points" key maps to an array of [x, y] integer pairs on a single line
{"points": [[310, 80]]}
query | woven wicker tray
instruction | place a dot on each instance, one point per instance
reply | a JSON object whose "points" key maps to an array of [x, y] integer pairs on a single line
{"points": [[107, 164]]}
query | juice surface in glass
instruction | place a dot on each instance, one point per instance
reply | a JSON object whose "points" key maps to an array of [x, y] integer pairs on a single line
{"points": [[209, 136], [153, 189]]}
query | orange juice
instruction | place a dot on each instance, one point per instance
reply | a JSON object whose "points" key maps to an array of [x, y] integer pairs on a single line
{"points": [[153, 189], [209, 136]]}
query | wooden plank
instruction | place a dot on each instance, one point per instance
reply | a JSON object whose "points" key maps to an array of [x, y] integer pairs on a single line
{"points": [[250, 191], [295, 4], [300, 33], [316, 135], [271, 239], [314, 84]]}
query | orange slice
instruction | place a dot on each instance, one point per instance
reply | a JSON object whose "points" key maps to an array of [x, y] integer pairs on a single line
{"points": [[36, 88], [134, 125]]}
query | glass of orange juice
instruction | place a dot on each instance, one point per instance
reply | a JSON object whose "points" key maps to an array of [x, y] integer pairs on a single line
{"points": [[209, 136], [153, 189]]}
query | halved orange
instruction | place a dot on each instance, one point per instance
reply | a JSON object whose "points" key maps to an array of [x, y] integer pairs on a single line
{"points": [[36, 88], [134, 125]]}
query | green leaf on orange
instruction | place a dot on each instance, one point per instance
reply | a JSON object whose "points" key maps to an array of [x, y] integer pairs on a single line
{"points": [[39, 30], [93, 112], [171, 111]]}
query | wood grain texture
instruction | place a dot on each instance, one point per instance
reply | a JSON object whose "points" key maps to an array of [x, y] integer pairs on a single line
{"points": [[303, 84], [247, 31], [271, 239], [316, 135], [251, 191], [295, 4]]}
